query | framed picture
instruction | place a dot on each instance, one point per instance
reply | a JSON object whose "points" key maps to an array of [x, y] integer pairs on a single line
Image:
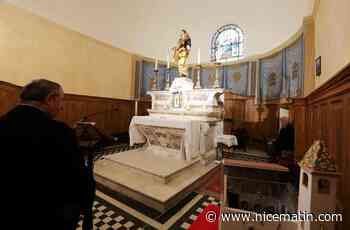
{"points": [[318, 66]]}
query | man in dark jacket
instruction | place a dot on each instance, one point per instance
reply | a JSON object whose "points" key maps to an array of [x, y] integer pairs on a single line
{"points": [[48, 176]]}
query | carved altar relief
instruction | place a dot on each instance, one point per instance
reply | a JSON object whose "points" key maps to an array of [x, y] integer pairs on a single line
{"points": [[162, 136]]}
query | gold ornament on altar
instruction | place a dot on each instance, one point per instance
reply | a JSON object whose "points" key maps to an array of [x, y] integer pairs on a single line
{"points": [[181, 53], [317, 158]]}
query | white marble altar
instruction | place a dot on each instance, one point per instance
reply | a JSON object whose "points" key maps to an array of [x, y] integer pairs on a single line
{"points": [[179, 152], [185, 122], [181, 137], [198, 103]]}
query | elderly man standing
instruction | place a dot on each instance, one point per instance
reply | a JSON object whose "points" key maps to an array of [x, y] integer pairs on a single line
{"points": [[48, 178]]}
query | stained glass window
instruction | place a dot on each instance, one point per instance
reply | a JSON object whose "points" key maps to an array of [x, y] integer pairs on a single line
{"points": [[227, 44]]}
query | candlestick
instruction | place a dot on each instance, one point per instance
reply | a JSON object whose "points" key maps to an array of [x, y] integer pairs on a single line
{"points": [[155, 79], [156, 64], [167, 60], [167, 81], [217, 83], [198, 82], [199, 57]]}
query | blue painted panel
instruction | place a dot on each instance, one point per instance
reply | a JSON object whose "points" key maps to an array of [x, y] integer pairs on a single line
{"points": [[208, 77], [236, 78], [295, 68], [147, 77], [271, 77]]}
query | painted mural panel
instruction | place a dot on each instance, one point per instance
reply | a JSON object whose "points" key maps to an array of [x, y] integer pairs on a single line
{"points": [[294, 66], [271, 77], [162, 77], [236, 78], [147, 77], [208, 77], [253, 85]]}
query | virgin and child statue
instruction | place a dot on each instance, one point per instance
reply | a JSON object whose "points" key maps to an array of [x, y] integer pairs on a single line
{"points": [[181, 53]]}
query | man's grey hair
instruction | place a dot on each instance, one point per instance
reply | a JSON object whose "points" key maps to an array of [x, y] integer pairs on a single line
{"points": [[38, 90]]}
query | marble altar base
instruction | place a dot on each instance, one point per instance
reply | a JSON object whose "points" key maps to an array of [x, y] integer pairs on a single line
{"points": [[157, 182]]}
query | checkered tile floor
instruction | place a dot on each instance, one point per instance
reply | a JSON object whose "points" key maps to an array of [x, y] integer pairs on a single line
{"points": [[187, 219], [110, 217]]}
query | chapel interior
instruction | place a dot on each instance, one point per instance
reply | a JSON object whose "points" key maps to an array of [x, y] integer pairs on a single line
{"points": [[253, 118]]}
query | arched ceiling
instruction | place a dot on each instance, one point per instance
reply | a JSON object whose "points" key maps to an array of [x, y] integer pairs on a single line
{"points": [[150, 27]]}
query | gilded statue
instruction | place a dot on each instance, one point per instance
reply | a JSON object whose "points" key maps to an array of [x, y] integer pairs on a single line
{"points": [[181, 53]]}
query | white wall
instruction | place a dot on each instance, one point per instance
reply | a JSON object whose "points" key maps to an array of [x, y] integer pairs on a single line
{"points": [[149, 27], [332, 37]]}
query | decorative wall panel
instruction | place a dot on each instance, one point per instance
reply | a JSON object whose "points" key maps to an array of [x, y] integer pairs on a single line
{"points": [[271, 77], [236, 78], [208, 77], [294, 67], [147, 77]]}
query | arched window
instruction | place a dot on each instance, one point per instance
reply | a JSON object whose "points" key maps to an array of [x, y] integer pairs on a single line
{"points": [[227, 44]]}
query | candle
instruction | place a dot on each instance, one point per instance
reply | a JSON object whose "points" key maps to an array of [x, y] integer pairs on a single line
{"points": [[168, 60], [156, 64], [199, 57]]}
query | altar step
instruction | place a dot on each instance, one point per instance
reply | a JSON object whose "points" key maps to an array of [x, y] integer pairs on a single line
{"points": [[157, 182], [208, 157], [167, 171], [145, 163]]}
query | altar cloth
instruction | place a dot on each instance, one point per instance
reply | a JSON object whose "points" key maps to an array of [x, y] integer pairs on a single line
{"points": [[180, 134], [189, 136]]}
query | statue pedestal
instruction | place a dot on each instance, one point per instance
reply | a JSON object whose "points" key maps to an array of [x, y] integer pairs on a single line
{"points": [[181, 84]]}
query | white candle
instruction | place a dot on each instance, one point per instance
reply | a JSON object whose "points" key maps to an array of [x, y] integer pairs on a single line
{"points": [[168, 60], [199, 57], [156, 64]]}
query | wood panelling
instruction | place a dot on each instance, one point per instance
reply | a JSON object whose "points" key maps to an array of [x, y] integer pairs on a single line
{"points": [[346, 181], [261, 121], [299, 121], [234, 111], [112, 116], [8, 96], [325, 115], [143, 105]]}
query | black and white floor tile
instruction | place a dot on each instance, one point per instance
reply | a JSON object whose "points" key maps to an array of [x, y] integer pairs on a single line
{"points": [[191, 215], [108, 216]]}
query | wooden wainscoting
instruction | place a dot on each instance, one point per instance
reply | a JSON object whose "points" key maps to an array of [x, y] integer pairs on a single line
{"points": [[325, 115], [234, 111], [143, 105], [261, 121], [114, 115], [111, 115], [328, 119], [9, 95]]}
